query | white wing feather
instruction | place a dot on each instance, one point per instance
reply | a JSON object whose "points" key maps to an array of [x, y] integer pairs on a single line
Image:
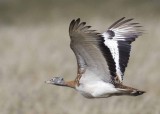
{"points": [[118, 38]]}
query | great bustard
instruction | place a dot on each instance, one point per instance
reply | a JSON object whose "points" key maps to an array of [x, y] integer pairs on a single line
{"points": [[101, 59]]}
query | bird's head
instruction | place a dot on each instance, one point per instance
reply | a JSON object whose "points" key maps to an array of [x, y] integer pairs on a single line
{"points": [[56, 81]]}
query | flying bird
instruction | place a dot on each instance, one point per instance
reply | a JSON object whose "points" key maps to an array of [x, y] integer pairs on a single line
{"points": [[101, 59]]}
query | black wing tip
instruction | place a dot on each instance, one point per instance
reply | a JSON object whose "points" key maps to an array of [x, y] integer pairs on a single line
{"points": [[129, 19], [83, 23], [72, 22], [122, 18], [71, 25], [78, 19], [122, 21], [75, 21], [125, 19], [77, 24]]}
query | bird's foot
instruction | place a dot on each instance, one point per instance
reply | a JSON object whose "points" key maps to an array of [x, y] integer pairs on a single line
{"points": [[137, 92]]}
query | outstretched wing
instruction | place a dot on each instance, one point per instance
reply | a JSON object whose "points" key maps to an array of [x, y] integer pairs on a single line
{"points": [[91, 53], [118, 39]]}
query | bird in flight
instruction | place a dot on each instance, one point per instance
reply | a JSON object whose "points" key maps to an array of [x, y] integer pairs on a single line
{"points": [[101, 59]]}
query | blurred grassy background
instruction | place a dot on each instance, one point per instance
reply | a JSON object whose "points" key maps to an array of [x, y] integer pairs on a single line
{"points": [[34, 46]]}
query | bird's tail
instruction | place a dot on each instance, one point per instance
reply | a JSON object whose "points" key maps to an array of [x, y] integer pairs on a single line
{"points": [[129, 90]]}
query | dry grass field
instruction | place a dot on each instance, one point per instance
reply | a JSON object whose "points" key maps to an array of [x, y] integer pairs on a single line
{"points": [[34, 46]]}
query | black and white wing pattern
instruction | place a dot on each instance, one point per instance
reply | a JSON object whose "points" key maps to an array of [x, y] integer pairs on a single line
{"points": [[118, 39]]}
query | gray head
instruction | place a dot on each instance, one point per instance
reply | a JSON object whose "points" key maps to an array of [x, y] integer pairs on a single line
{"points": [[56, 81]]}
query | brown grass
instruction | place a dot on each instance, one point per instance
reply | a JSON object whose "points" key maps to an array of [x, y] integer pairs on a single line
{"points": [[32, 53]]}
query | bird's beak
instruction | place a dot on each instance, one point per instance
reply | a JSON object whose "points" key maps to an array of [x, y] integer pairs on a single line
{"points": [[48, 82]]}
